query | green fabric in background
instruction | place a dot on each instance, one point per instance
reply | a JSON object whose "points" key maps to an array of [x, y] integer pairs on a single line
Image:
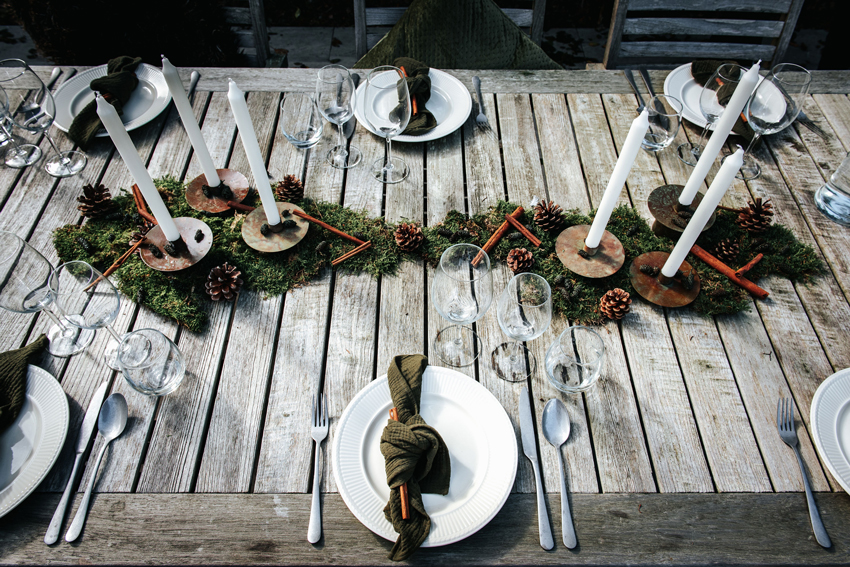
{"points": [[13, 379], [458, 34]]}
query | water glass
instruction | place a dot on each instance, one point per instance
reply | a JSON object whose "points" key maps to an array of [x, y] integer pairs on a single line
{"points": [[574, 360], [150, 362], [300, 120], [665, 116], [833, 199]]}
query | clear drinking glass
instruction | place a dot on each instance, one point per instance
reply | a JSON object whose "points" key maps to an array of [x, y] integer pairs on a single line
{"points": [[574, 360], [665, 116], [387, 109], [524, 310], [833, 199], [462, 291], [24, 277], [300, 120], [151, 363], [335, 95]]}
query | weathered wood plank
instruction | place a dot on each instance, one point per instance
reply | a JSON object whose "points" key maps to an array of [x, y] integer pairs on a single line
{"points": [[835, 110], [697, 26], [174, 147], [767, 6]]}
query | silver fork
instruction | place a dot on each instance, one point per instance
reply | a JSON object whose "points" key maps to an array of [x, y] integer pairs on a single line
{"points": [[481, 118], [319, 432], [808, 123], [788, 433]]}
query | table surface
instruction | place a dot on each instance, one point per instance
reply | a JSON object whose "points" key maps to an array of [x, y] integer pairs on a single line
{"points": [[674, 455]]}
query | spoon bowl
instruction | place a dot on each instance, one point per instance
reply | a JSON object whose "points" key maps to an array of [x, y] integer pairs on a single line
{"points": [[556, 430]]}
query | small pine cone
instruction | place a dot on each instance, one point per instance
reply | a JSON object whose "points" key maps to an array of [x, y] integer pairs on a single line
{"points": [[756, 217], [520, 260], [96, 201], [615, 303], [408, 236], [289, 190], [727, 250], [223, 282], [548, 216]]}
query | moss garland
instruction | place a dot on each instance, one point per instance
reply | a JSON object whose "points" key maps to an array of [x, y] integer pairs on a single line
{"points": [[182, 297]]}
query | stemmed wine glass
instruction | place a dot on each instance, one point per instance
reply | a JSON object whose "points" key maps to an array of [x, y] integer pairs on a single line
{"points": [[461, 291], [773, 106], [335, 95], [387, 109], [524, 310], [32, 108], [24, 276], [715, 95]]}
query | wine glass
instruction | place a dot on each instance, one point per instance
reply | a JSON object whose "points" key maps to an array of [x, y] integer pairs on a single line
{"points": [[524, 310], [335, 95], [461, 291], [151, 363], [32, 108], [24, 276], [89, 301], [773, 106], [387, 109], [574, 361], [665, 116], [300, 120], [713, 99]]}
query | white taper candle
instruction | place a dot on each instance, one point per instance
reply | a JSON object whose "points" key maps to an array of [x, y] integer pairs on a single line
{"points": [[112, 122], [618, 179], [712, 198]]}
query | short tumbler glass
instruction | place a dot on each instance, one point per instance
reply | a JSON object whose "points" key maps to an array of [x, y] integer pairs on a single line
{"points": [[151, 363], [300, 120], [665, 117], [574, 360], [833, 199]]}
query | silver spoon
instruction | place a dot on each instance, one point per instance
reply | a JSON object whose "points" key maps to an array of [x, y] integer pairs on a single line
{"points": [[110, 424], [556, 430]]}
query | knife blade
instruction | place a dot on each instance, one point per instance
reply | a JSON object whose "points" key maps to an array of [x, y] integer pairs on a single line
{"points": [[83, 439], [659, 108], [193, 84], [529, 447], [631, 79]]}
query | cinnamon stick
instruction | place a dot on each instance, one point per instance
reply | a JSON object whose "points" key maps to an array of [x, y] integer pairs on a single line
{"points": [[405, 500], [354, 252], [749, 265], [140, 204], [729, 272], [414, 109], [525, 232], [117, 263], [496, 237], [240, 206], [326, 226]]}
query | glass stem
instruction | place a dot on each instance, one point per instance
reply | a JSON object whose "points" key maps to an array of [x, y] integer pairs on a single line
{"points": [[64, 159], [752, 144], [389, 164], [55, 319], [9, 135], [342, 151], [702, 135], [112, 332]]}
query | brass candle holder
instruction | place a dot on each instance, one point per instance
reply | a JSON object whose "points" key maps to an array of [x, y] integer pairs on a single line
{"points": [[656, 288], [671, 217], [257, 233], [600, 262], [165, 256], [201, 197]]}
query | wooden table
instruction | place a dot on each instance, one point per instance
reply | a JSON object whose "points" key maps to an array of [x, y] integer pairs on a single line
{"points": [[674, 455]]}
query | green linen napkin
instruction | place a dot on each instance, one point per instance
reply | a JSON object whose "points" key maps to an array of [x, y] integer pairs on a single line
{"points": [[701, 71], [419, 86], [119, 83], [13, 380], [414, 453]]}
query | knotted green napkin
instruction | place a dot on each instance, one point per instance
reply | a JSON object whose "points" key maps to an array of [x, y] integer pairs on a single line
{"points": [[13, 380], [119, 83], [414, 453], [419, 86], [701, 71]]}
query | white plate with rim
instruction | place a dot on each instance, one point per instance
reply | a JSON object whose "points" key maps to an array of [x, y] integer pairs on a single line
{"points": [[450, 103], [680, 84], [482, 447], [830, 420], [31, 445], [150, 97]]}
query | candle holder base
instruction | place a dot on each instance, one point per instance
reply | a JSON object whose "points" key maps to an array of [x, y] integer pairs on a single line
{"points": [[606, 261], [650, 288], [196, 242], [237, 182], [253, 236], [663, 202]]}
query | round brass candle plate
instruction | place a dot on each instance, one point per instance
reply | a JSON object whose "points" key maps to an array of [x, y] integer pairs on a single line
{"points": [[275, 241], [190, 251], [237, 182], [607, 261], [672, 295], [662, 205]]}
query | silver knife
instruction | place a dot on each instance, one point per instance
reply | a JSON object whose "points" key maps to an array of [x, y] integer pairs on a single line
{"points": [[529, 447], [659, 108], [193, 83], [631, 79], [83, 439]]}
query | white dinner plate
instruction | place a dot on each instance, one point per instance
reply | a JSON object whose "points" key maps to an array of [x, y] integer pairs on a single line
{"points": [[830, 419], [150, 97], [481, 442], [31, 445], [680, 84], [450, 103]]}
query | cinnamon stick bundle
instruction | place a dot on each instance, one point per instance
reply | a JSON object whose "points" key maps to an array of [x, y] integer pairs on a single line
{"points": [[525, 232], [326, 226], [729, 272], [496, 237], [354, 252]]}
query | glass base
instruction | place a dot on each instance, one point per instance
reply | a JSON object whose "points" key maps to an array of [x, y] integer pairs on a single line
{"points": [[456, 346], [23, 156], [66, 164], [749, 169], [341, 158], [394, 172], [110, 355], [834, 204], [689, 153], [508, 361], [68, 341]]}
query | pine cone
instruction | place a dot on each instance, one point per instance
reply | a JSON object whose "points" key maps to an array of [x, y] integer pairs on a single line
{"points": [[756, 217], [289, 190], [95, 201], [727, 250], [520, 260], [548, 216], [408, 236], [615, 303], [223, 282]]}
